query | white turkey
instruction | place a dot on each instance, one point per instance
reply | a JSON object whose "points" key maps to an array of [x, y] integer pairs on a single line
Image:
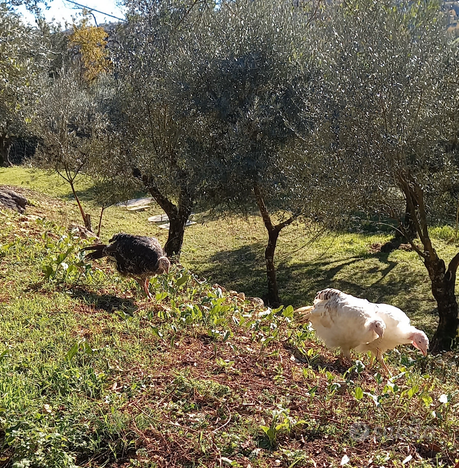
{"points": [[342, 321], [398, 331], [139, 257]]}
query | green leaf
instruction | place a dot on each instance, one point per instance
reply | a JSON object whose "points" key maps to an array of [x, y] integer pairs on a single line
{"points": [[288, 312], [427, 399], [60, 258], [182, 280], [156, 331], [73, 350], [358, 393], [48, 270], [270, 433], [87, 349], [412, 391], [161, 295]]}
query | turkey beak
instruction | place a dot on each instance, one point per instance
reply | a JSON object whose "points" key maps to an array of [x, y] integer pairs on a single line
{"points": [[422, 349]]}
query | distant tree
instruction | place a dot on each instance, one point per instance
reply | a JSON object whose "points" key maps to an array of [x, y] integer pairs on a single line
{"points": [[91, 44], [35, 6], [21, 61], [71, 129], [389, 104]]}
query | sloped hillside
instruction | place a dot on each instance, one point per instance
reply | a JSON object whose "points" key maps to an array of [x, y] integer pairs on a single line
{"points": [[92, 374]]}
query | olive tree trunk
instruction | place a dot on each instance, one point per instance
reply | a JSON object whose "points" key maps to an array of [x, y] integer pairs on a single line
{"points": [[178, 215], [273, 234], [443, 284], [443, 280]]}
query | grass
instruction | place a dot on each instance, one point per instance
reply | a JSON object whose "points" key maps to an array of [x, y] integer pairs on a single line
{"points": [[94, 375]]}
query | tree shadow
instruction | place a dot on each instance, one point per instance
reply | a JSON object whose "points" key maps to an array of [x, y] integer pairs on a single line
{"points": [[90, 195], [242, 269], [299, 283], [302, 281], [317, 362]]}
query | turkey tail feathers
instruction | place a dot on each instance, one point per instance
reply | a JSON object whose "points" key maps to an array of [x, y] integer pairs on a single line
{"points": [[302, 314], [97, 251]]}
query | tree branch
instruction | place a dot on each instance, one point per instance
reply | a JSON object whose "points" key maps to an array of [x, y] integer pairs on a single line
{"points": [[162, 200], [262, 207], [453, 265]]}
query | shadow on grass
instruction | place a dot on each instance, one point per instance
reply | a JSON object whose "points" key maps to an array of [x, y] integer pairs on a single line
{"points": [[86, 195], [90, 195], [244, 270], [317, 361], [374, 276], [241, 269], [299, 283], [107, 302]]}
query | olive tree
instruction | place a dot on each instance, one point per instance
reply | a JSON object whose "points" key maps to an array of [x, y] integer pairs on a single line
{"points": [[157, 144], [245, 101], [203, 97], [389, 101], [22, 55], [71, 129]]}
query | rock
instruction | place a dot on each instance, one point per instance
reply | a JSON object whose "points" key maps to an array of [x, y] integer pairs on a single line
{"points": [[12, 200], [158, 218], [256, 301]]}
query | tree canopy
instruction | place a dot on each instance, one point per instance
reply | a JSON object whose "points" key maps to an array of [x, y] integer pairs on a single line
{"points": [[22, 58]]}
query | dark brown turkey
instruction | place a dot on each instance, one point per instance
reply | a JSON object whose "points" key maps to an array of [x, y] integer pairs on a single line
{"points": [[139, 257]]}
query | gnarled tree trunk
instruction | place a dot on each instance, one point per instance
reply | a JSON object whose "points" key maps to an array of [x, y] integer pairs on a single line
{"points": [[5, 144], [409, 228], [443, 285], [178, 217], [443, 281]]}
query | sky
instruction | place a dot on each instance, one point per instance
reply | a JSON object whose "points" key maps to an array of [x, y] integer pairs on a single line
{"points": [[63, 10]]}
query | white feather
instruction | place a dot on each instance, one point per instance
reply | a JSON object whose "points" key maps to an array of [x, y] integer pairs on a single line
{"points": [[343, 321], [399, 331], [347, 322]]}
